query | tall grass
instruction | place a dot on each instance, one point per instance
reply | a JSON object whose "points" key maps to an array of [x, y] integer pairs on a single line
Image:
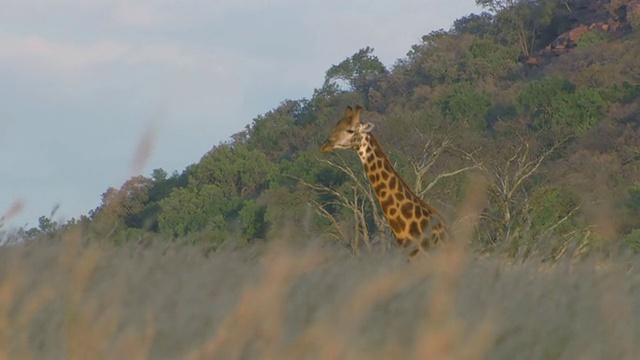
{"points": [[70, 300]]}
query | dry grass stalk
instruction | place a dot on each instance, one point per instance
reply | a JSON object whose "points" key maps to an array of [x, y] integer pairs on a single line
{"points": [[256, 323], [316, 304], [14, 210]]}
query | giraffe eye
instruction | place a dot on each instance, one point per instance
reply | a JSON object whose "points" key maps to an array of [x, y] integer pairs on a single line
{"points": [[351, 131]]}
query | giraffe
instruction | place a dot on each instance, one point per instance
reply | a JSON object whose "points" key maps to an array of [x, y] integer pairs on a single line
{"points": [[416, 225]]}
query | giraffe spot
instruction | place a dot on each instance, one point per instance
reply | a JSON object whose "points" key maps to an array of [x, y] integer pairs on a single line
{"points": [[383, 193], [392, 183], [428, 241], [424, 223], [387, 166], [408, 194], [386, 203], [434, 240], [366, 168], [399, 196], [379, 163], [407, 210], [414, 252], [414, 229], [374, 167], [417, 211], [378, 152], [426, 212], [361, 153], [401, 223], [371, 177], [385, 176], [379, 187], [437, 229], [377, 177], [406, 242], [395, 225], [393, 211], [370, 158]]}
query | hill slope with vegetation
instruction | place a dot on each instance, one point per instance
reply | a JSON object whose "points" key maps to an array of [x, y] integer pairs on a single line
{"points": [[543, 116]]}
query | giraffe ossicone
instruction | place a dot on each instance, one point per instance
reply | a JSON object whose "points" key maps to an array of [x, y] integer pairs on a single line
{"points": [[416, 225]]}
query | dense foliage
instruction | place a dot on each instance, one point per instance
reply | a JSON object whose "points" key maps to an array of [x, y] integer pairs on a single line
{"points": [[556, 145]]}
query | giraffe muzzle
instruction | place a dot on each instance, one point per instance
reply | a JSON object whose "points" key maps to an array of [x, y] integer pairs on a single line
{"points": [[326, 147]]}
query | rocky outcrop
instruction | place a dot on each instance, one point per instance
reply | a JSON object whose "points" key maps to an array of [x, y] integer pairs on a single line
{"points": [[591, 15]]}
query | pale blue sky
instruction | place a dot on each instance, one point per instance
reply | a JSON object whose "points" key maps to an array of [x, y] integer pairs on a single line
{"points": [[81, 81]]}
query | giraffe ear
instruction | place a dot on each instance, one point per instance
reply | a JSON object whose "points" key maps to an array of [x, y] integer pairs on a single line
{"points": [[348, 112], [367, 127], [355, 118], [358, 111]]}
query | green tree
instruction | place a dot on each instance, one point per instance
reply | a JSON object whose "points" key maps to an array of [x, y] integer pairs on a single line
{"points": [[128, 202], [556, 102], [360, 72], [437, 59], [238, 171], [282, 131], [253, 219], [553, 210], [520, 21], [467, 105], [47, 226], [474, 24], [487, 60], [220, 192], [633, 201], [537, 96], [163, 183], [190, 209], [578, 111]]}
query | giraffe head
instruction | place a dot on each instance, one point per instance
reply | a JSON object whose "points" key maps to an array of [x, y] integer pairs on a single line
{"points": [[348, 132]]}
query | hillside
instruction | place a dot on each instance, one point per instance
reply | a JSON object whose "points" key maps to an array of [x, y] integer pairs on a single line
{"points": [[538, 101]]}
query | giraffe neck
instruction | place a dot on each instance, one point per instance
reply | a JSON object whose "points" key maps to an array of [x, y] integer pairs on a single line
{"points": [[407, 214]]}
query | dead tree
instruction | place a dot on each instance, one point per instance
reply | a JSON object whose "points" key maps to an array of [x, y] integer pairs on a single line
{"points": [[507, 213]]}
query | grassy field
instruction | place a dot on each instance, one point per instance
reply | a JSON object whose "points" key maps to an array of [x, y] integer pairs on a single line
{"points": [[72, 301]]}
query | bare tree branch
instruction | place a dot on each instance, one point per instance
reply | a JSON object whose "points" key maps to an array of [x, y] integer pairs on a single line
{"points": [[508, 192], [365, 188], [429, 157], [355, 205], [561, 221]]}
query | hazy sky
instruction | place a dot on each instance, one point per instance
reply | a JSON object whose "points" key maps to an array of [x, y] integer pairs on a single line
{"points": [[83, 81]]}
